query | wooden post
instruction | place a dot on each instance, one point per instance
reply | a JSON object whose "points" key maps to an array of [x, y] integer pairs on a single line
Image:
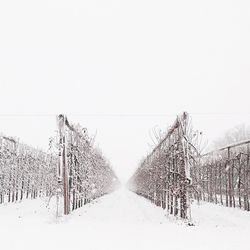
{"points": [[246, 185], [229, 178], [63, 176], [239, 181], [185, 199]]}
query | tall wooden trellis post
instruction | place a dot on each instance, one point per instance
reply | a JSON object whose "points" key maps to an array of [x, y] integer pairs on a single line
{"points": [[63, 173]]}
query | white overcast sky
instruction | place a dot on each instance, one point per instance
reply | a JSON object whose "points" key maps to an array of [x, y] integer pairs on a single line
{"points": [[122, 68]]}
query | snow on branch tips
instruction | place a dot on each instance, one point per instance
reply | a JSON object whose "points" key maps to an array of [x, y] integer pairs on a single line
{"points": [[164, 176], [25, 172], [83, 172]]}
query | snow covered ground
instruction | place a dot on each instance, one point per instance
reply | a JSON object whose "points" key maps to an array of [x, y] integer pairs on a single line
{"points": [[121, 220]]}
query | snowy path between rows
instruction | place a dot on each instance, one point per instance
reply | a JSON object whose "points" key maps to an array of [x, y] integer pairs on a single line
{"points": [[121, 220]]}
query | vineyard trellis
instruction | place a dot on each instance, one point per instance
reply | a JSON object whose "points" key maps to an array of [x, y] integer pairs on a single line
{"points": [[83, 173], [223, 176], [72, 168], [164, 175], [169, 176]]}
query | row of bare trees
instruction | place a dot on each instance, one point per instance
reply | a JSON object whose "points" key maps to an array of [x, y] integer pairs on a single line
{"points": [[25, 172], [164, 175], [223, 176], [176, 170], [72, 168], [83, 173]]}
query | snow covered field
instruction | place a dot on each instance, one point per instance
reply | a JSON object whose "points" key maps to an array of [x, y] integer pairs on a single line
{"points": [[121, 220]]}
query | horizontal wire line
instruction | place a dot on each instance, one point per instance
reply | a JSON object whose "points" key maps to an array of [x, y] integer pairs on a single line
{"points": [[161, 114], [123, 115]]}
